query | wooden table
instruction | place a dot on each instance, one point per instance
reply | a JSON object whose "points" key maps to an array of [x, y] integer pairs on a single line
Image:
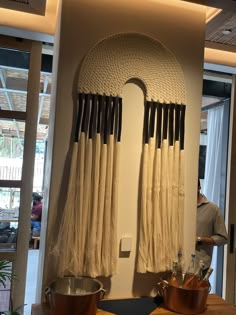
{"points": [[215, 306], [43, 309]]}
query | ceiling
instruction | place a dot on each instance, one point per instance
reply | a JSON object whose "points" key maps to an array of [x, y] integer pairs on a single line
{"points": [[221, 30], [220, 34], [13, 94], [223, 21], [29, 6]]}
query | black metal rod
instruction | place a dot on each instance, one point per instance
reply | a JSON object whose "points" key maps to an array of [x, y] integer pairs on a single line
{"points": [[165, 121], [79, 116], [85, 112], [146, 122], [99, 112], [92, 116], [177, 118], [159, 125], [182, 126], [105, 128], [171, 124], [112, 115], [152, 119], [119, 119]]}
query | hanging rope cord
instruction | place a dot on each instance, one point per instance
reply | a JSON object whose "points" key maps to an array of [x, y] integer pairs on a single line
{"points": [[101, 245], [109, 258], [69, 235], [181, 189], [92, 158], [162, 199], [115, 184], [143, 240], [87, 241]]}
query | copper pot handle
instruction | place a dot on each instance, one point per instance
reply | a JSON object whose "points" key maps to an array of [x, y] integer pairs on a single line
{"points": [[161, 286], [103, 292], [47, 294]]}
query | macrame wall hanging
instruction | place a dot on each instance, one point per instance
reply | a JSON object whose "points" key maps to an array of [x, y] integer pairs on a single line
{"points": [[92, 194], [162, 200], [87, 241]]}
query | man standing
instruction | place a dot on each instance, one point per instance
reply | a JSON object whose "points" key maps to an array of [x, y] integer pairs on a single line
{"points": [[36, 214], [210, 229]]}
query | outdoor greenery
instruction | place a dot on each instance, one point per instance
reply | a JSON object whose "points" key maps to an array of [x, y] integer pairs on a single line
{"points": [[5, 275], [12, 147]]}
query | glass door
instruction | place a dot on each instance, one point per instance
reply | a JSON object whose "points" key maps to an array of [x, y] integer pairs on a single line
{"points": [[213, 166], [18, 129]]}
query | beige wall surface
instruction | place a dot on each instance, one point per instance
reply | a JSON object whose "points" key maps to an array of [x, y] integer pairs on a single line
{"points": [[180, 28]]}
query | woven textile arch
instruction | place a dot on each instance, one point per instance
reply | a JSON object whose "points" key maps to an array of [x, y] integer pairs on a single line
{"points": [[119, 58], [87, 242]]}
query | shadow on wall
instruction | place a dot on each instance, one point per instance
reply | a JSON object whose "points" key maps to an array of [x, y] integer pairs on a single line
{"points": [[149, 283]]}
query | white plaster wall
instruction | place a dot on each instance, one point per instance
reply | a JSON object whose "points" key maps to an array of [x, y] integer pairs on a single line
{"points": [[180, 27], [133, 110]]}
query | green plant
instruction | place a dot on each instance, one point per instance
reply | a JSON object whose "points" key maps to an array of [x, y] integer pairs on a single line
{"points": [[14, 311], [6, 274]]}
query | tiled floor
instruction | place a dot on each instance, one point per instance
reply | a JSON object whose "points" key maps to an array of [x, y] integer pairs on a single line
{"points": [[31, 279]]}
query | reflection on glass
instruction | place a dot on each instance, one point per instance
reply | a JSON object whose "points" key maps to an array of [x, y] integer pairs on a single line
{"points": [[12, 128], [13, 88], [11, 149], [9, 214], [14, 67]]}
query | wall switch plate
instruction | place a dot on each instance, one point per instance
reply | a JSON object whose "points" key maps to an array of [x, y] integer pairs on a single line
{"points": [[126, 244]]}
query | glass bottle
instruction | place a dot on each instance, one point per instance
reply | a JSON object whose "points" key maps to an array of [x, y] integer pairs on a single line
{"points": [[180, 268], [204, 283], [173, 278], [191, 268], [192, 282]]}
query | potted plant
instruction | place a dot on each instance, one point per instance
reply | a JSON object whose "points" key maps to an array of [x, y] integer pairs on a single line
{"points": [[7, 275], [5, 272]]}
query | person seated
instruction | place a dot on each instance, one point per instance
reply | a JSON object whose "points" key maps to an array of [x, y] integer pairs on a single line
{"points": [[36, 214], [4, 231]]}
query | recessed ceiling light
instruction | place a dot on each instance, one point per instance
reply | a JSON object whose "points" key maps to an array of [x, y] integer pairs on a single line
{"points": [[227, 31]]}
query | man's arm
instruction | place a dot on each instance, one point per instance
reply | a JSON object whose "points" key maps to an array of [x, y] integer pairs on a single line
{"points": [[34, 217], [36, 213], [219, 237], [204, 240]]}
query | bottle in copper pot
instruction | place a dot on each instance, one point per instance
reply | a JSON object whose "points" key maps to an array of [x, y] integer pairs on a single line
{"points": [[180, 268], [174, 277], [191, 269], [192, 282], [204, 283]]}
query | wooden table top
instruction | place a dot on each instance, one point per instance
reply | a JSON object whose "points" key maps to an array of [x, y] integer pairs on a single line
{"points": [[215, 306], [43, 309]]}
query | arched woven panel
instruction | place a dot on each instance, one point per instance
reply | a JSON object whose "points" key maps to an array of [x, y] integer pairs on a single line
{"points": [[119, 58], [87, 242]]}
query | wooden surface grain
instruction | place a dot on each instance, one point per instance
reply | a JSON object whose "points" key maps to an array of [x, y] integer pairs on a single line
{"points": [[215, 306], [43, 309]]}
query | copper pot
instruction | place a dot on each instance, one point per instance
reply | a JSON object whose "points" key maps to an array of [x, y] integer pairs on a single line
{"points": [[184, 301], [74, 296]]}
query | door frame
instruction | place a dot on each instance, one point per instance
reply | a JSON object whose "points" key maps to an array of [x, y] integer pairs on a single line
{"points": [[227, 273], [230, 260], [30, 116]]}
